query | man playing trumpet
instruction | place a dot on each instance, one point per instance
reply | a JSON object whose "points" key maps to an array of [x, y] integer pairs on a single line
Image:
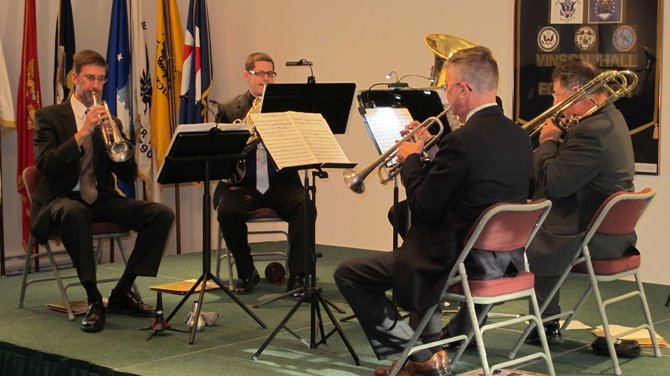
{"points": [[487, 160], [77, 188]]}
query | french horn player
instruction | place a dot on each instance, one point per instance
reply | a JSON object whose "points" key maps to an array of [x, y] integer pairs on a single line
{"points": [[259, 185]]}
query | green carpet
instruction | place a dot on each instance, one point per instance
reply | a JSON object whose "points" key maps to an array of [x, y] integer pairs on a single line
{"points": [[227, 347]]}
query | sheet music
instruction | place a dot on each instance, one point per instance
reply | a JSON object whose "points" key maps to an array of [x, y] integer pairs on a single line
{"points": [[319, 138], [385, 124], [282, 139], [298, 139]]}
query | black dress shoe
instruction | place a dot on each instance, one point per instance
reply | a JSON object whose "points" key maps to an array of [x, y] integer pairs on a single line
{"points": [[246, 285], [552, 330], [129, 303], [296, 282], [94, 321]]}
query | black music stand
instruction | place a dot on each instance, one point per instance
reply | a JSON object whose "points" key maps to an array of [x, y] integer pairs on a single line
{"points": [[333, 102], [190, 158], [312, 294]]}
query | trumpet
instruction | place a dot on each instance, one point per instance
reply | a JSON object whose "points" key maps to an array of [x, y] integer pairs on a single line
{"points": [[354, 179], [118, 149], [615, 83]]}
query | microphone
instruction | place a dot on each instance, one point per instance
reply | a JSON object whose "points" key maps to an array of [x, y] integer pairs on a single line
{"points": [[299, 63]]}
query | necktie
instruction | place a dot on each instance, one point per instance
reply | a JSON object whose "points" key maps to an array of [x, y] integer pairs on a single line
{"points": [[262, 182], [87, 186]]}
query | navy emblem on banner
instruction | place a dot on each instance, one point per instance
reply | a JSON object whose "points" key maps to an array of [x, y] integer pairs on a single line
{"points": [[585, 38]]}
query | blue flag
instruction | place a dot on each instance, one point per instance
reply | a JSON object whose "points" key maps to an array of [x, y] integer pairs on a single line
{"points": [[196, 77], [116, 91]]}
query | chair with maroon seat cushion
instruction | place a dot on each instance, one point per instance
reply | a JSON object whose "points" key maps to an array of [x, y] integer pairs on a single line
{"points": [[617, 215], [260, 215], [100, 230], [503, 227]]}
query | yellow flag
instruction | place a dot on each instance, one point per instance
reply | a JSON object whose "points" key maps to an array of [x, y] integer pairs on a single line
{"points": [[167, 76]]}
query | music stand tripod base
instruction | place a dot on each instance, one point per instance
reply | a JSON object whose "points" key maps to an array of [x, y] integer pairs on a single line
{"points": [[197, 155], [311, 293]]}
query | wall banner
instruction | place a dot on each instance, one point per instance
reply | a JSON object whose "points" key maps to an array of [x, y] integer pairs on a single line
{"points": [[612, 34]]}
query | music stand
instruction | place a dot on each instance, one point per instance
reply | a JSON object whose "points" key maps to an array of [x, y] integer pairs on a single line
{"points": [[332, 100], [311, 98], [190, 157]]}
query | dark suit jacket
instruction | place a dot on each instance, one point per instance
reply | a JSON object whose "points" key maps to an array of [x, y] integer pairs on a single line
{"points": [[58, 157], [594, 160], [234, 109], [486, 161]]}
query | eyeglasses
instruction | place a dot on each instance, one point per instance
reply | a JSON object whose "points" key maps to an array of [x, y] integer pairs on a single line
{"points": [[262, 73], [446, 89], [555, 94], [90, 78]]}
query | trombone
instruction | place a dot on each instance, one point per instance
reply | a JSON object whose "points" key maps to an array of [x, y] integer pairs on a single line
{"points": [[616, 83], [354, 179]]}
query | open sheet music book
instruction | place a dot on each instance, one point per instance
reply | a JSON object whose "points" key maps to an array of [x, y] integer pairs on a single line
{"points": [[299, 139]]}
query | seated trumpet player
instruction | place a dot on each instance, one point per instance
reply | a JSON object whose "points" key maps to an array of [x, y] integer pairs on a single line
{"points": [[261, 186], [400, 210], [577, 171], [487, 160], [77, 188]]}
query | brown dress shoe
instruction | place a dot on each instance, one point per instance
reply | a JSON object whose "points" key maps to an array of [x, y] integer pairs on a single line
{"points": [[436, 365]]}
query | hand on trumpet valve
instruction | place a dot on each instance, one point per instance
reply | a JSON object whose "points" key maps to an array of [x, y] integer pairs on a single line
{"points": [[407, 148], [550, 132], [421, 134]]}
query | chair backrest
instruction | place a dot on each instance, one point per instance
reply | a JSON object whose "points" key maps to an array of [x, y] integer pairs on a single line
{"points": [[506, 227], [619, 213], [31, 175]]}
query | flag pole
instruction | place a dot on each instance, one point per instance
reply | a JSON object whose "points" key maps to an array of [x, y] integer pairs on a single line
{"points": [[171, 105]]}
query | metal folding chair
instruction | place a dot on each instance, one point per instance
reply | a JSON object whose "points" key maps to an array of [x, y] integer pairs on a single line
{"points": [[260, 215], [502, 227], [101, 231], [618, 215]]}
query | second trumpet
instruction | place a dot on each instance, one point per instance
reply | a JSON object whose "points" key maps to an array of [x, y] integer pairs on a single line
{"points": [[118, 148], [384, 163]]}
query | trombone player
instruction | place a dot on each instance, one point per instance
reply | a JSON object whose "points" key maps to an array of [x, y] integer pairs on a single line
{"points": [[577, 171], [485, 161]]}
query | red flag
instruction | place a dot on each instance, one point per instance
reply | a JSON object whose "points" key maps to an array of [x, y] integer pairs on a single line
{"points": [[29, 101]]}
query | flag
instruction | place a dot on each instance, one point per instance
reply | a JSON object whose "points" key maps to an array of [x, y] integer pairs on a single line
{"points": [[7, 118], [63, 53], [169, 52], [117, 92], [140, 82], [196, 76], [28, 101]]}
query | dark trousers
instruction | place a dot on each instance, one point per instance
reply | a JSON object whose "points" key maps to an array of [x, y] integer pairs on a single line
{"points": [[238, 203], [152, 221], [363, 282]]}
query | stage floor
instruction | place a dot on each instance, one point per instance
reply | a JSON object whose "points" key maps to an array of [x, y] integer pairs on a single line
{"points": [[227, 347]]}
